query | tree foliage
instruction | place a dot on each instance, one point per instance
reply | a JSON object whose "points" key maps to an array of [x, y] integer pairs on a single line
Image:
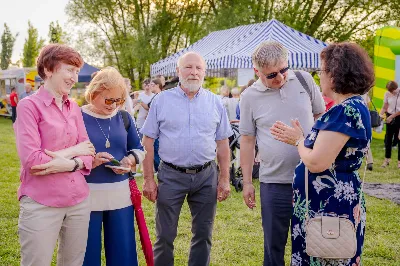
{"points": [[56, 33], [7, 45], [32, 46], [136, 33]]}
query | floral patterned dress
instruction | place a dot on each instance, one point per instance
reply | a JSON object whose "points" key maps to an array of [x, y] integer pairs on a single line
{"points": [[336, 191]]}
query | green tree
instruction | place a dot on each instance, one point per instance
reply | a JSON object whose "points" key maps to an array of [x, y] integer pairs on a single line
{"points": [[56, 33], [31, 47], [7, 45], [137, 33]]}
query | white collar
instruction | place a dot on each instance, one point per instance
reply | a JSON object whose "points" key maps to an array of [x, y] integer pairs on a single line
{"points": [[86, 110]]}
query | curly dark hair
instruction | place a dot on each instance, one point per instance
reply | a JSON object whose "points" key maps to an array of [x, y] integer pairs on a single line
{"points": [[350, 68]]}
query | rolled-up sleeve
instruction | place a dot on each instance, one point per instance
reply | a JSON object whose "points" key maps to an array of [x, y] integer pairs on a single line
{"points": [[28, 139], [247, 124], [83, 136], [151, 127]]}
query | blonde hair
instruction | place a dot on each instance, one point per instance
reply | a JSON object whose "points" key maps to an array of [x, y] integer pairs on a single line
{"points": [[269, 54], [106, 79]]}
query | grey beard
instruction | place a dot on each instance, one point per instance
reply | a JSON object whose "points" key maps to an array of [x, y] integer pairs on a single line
{"points": [[192, 87]]}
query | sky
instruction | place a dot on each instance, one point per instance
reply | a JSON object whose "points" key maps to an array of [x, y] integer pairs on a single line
{"points": [[16, 14]]}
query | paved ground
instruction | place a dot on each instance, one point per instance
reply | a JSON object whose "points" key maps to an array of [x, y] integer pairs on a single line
{"points": [[383, 191]]}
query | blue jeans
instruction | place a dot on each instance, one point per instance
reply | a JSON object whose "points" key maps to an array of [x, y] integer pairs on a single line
{"points": [[156, 155]]}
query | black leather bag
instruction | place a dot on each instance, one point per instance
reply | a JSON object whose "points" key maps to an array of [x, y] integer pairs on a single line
{"points": [[375, 118]]}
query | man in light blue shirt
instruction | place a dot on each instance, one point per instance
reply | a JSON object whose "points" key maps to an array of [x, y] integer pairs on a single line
{"points": [[193, 128], [28, 91]]}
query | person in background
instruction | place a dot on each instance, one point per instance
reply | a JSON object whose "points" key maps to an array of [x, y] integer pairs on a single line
{"points": [[328, 103], [13, 103], [391, 109], [370, 158], [333, 152], [162, 79], [243, 88], [276, 95], [193, 129], [142, 101], [111, 206], [28, 91], [55, 155], [156, 88], [128, 100]]}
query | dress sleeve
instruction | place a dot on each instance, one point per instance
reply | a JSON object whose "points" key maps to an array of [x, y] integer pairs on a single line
{"points": [[133, 142], [345, 118]]}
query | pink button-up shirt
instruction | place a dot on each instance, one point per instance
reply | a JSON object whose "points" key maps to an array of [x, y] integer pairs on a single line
{"points": [[42, 125]]}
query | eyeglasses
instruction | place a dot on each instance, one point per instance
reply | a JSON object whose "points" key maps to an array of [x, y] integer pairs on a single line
{"points": [[319, 72], [274, 74], [110, 101]]}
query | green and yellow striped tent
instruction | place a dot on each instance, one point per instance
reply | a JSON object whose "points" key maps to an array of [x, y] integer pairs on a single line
{"points": [[386, 49]]}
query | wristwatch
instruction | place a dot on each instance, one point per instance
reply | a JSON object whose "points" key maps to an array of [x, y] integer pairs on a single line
{"points": [[76, 165]]}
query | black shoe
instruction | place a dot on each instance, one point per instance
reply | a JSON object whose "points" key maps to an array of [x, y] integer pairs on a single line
{"points": [[370, 166]]}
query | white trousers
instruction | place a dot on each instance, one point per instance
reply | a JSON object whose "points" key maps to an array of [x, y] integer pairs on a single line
{"points": [[40, 226]]}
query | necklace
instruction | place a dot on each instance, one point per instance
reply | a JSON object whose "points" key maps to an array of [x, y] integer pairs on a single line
{"points": [[108, 145]]}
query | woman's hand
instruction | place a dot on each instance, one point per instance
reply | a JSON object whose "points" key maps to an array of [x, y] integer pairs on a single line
{"points": [[389, 119], [84, 148], [100, 158], [58, 164], [125, 162], [81, 149], [287, 134]]}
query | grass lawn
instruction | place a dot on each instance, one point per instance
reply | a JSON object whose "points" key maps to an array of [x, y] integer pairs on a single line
{"points": [[237, 238]]}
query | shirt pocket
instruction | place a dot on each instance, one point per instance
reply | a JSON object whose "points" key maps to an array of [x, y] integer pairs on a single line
{"points": [[208, 122]]}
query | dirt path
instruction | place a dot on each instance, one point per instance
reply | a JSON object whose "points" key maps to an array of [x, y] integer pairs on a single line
{"points": [[383, 191]]}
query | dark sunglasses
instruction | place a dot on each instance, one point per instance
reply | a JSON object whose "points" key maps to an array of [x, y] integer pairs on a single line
{"points": [[274, 74], [110, 101]]}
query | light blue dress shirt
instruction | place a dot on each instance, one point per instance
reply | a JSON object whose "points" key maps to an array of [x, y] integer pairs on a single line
{"points": [[187, 129]]}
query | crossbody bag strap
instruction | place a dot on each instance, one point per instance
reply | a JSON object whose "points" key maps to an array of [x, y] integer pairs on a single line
{"points": [[374, 105], [362, 186], [306, 188]]}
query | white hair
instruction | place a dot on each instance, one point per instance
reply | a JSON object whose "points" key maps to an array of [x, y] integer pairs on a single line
{"points": [[224, 90], [269, 53], [235, 91], [180, 59]]}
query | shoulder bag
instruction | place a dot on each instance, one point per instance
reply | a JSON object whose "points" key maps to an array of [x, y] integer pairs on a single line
{"points": [[330, 237]]}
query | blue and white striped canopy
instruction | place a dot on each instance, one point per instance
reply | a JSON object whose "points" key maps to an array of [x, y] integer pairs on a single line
{"points": [[232, 48]]}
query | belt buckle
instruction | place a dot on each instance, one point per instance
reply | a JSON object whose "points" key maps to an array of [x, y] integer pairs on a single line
{"points": [[190, 171]]}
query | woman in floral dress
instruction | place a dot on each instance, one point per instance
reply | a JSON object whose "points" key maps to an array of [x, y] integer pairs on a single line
{"points": [[333, 151]]}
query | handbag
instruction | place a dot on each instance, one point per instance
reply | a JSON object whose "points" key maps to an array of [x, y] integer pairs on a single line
{"points": [[375, 118], [330, 237]]}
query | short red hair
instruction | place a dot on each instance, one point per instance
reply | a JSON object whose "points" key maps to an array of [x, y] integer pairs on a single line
{"points": [[53, 54]]}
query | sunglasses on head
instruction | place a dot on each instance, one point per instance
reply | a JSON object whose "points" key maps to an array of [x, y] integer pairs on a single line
{"points": [[110, 101], [274, 74]]}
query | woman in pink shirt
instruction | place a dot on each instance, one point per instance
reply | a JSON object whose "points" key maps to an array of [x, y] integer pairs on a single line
{"points": [[55, 154]]}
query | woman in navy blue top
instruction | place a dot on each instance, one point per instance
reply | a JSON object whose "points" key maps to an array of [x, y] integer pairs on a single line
{"points": [[113, 139], [333, 151]]}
